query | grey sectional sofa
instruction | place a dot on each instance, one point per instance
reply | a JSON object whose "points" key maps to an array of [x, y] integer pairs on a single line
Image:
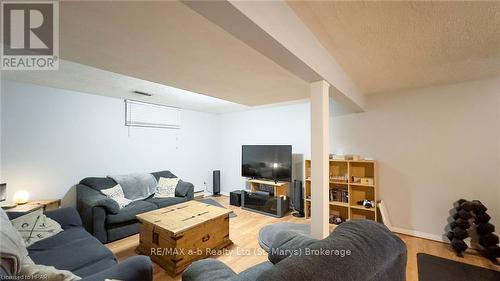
{"points": [[375, 255], [74, 249], [102, 216]]}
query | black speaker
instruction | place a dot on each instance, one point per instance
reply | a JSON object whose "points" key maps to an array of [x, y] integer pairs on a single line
{"points": [[235, 198], [298, 200], [216, 181]]}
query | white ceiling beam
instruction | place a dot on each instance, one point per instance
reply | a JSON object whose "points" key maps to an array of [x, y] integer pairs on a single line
{"points": [[273, 29]]}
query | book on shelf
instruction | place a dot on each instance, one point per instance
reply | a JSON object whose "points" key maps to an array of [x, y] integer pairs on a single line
{"points": [[339, 195]]}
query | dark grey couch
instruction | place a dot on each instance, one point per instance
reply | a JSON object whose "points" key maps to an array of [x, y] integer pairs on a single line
{"points": [[376, 255], [74, 249], [102, 216]]}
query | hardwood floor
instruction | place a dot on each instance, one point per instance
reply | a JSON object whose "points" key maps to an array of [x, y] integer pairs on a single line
{"points": [[245, 252]]}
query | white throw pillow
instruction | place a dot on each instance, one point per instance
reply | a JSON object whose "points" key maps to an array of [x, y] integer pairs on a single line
{"points": [[36, 226], [116, 193], [166, 188]]}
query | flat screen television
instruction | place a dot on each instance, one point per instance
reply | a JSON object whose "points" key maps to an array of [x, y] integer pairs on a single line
{"points": [[271, 162]]}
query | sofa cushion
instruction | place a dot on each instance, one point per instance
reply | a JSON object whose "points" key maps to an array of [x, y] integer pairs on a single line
{"points": [[94, 267], [98, 183], [70, 250], [69, 235], [164, 202], [127, 214], [163, 174]]}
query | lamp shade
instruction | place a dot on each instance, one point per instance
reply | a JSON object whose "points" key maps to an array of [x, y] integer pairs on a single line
{"points": [[21, 197]]}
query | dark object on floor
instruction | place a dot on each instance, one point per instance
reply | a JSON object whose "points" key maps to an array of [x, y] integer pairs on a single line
{"points": [[235, 198], [485, 228], [298, 199], [104, 219], [478, 207], [460, 223], [471, 215], [492, 252], [468, 206], [432, 268], [382, 260], [463, 214], [483, 218], [458, 245], [74, 249], [489, 239], [217, 204], [460, 233]]}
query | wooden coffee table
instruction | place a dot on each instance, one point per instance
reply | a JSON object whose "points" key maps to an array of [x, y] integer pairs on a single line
{"points": [[177, 235]]}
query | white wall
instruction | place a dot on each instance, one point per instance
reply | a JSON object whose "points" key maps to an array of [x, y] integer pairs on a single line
{"points": [[274, 125], [53, 138], [433, 146]]}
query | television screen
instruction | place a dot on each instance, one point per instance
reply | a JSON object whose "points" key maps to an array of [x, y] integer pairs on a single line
{"points": [[272, 162]]}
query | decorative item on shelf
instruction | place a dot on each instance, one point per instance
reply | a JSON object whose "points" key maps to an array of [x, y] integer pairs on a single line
{"points": [[342, 178], [366, 181], [355, 179], [337, 157], [367, 203], [21, 197], [354, 157], [336, 220]]}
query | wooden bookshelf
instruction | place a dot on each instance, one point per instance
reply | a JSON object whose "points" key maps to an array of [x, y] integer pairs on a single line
{"points": [[345, 178]]}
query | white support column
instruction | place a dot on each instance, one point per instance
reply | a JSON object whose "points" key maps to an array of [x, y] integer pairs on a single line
{"points": [[320, 149]]}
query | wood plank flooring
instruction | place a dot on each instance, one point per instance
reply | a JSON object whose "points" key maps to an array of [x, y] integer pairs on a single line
{"points": [[245, 252]]}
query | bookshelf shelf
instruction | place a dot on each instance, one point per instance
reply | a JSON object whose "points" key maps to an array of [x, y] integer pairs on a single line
{"points": [[347, 192], [338, 203]]}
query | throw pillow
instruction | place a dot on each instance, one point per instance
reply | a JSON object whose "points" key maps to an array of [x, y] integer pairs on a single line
{"points": [[166, 188], [36, 226], [116, 193], [38, 272]]}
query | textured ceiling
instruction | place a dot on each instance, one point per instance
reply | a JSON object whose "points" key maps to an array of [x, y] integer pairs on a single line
{"points": [[86, 79], [168, 43], [389, 46]]}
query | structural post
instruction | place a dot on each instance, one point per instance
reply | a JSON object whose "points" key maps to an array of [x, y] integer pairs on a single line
{"points": [[320, 149]]}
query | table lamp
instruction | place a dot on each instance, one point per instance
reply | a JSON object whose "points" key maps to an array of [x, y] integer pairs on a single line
{"points": [[21, 197]]}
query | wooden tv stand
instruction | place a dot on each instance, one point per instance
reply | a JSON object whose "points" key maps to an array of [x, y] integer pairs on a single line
{"points": [[280, 188]]}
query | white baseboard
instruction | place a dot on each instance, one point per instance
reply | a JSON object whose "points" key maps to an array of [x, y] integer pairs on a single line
{"points": [[418, 234]]}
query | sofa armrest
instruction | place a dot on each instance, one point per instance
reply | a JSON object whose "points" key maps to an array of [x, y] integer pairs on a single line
{"points": [[66, 217], [184, 189], [209, 270], [89, 198], [287, 243], [136, 268], [93, 207]]}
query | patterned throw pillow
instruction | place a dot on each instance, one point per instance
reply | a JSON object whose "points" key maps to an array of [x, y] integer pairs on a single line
{"points": [[36, 226], [166, 188], [116, 193]]}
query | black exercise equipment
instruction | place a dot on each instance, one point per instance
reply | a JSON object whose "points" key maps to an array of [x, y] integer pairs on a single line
{"points": [[488, 240], [460, 233], [485, 228]]}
